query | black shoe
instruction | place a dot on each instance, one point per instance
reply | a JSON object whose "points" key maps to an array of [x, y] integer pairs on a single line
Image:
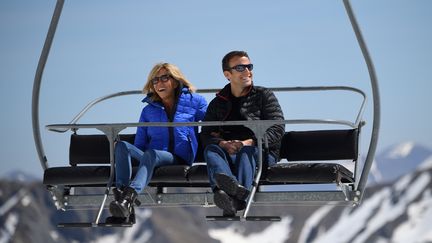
{"points": [[124, 207], [240, 204], [117, 215], [132, 218], [228, 214], [224, 202], [117, 192], [231, 186], [122, 220], [115, 220]]}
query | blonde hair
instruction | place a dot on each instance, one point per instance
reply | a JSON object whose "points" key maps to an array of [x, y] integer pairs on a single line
{"points": [[172, 70]]}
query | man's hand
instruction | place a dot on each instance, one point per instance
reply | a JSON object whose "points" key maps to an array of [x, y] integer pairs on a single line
{"points": [[229, 146], [234, 146]]}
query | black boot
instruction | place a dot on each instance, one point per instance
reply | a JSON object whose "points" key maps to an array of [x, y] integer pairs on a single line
{"points": [[224, 202], [231, 186], [117, 192], [124, 206]]}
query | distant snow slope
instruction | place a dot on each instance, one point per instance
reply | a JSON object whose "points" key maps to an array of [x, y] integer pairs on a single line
{"points": [[277, 232], [397, 160], [384, 207]]}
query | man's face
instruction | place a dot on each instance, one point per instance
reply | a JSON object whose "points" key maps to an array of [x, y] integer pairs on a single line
{"points": [[239, 79]]}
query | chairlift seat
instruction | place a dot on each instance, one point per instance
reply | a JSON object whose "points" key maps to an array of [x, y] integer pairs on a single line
{"points": [[320, 147], [90, 166]]}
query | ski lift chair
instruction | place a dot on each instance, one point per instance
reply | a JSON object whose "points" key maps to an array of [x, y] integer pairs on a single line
{"points": [[91, 157], [91, 165]]}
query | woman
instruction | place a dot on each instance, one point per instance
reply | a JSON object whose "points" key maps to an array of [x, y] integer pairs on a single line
{"points": [[170, 98]]}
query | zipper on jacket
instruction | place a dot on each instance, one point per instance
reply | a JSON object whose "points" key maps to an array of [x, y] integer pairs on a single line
{"points": [[191, 156], [171, 141]]}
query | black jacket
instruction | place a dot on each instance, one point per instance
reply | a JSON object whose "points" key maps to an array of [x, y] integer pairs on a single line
{"points": [[259, 104]]}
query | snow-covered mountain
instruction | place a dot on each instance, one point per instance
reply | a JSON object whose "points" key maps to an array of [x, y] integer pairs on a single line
{"points": [[16, 175], [397, 160], [400, 211]]}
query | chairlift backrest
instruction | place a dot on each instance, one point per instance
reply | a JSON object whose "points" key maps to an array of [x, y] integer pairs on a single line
{"points": [[320, 145], [92, 148], [316, 145]]}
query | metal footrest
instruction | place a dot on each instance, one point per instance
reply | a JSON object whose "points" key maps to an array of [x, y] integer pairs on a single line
{"points": [[89, 225], [238, 218]]}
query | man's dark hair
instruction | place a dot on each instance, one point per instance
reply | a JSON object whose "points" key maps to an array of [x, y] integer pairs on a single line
{"points": [[229, 56]]}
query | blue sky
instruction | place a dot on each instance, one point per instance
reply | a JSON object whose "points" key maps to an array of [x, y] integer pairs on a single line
{"points": [[102, 47]]}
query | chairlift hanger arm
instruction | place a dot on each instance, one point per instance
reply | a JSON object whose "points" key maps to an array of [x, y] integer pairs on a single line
{"points": [[38, 81], [375, 96]]}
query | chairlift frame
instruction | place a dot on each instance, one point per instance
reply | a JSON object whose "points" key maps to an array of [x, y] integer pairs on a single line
{"points": [[349, 193]]}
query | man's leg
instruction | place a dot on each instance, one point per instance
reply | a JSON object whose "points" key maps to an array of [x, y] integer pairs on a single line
{"points": [[245, 166], [217, 163]]}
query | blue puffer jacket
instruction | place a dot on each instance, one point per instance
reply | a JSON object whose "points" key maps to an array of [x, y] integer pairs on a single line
{"points": [[191, 107]]}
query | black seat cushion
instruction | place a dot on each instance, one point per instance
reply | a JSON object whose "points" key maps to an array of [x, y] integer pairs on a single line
{"points": [[198, 174], [99, 175], [170, 174], [77, 175], [307, 173]]}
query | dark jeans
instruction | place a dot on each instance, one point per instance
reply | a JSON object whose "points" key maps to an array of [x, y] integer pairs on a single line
{"points": [[241, 165], [148, 161]]}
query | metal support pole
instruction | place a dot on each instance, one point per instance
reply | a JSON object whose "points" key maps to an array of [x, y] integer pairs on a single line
{"points": [[111, 133], [375, 97], [260, 135], [38, 80]]}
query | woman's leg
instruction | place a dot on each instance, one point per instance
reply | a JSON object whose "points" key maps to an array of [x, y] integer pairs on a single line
{"points": [[149, 160], [121, 207], [123, 153]]}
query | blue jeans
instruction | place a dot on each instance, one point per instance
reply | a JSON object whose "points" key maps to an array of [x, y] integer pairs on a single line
{"points": [[148, 160], [241, 165]]}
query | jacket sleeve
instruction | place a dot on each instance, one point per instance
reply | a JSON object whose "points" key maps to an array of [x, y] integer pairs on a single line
{"points": [[209, 133], [273, 111], [201, 108], [141, 134]]}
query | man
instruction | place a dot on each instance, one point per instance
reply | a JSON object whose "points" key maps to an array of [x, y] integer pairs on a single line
{"points": [[231, 151]]}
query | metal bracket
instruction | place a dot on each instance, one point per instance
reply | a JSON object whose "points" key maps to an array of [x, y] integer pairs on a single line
{"points": [[112, 134], [59, 196]]}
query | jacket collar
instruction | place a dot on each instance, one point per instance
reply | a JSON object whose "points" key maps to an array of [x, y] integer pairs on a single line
{"points": [[225, 93], [148, 99]]}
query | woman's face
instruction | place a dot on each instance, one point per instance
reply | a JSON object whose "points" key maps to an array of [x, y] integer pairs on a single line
{"points": [[164, 85]]}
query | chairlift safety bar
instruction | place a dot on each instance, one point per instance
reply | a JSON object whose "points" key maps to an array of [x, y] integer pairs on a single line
{"points": [[213, 91]]}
